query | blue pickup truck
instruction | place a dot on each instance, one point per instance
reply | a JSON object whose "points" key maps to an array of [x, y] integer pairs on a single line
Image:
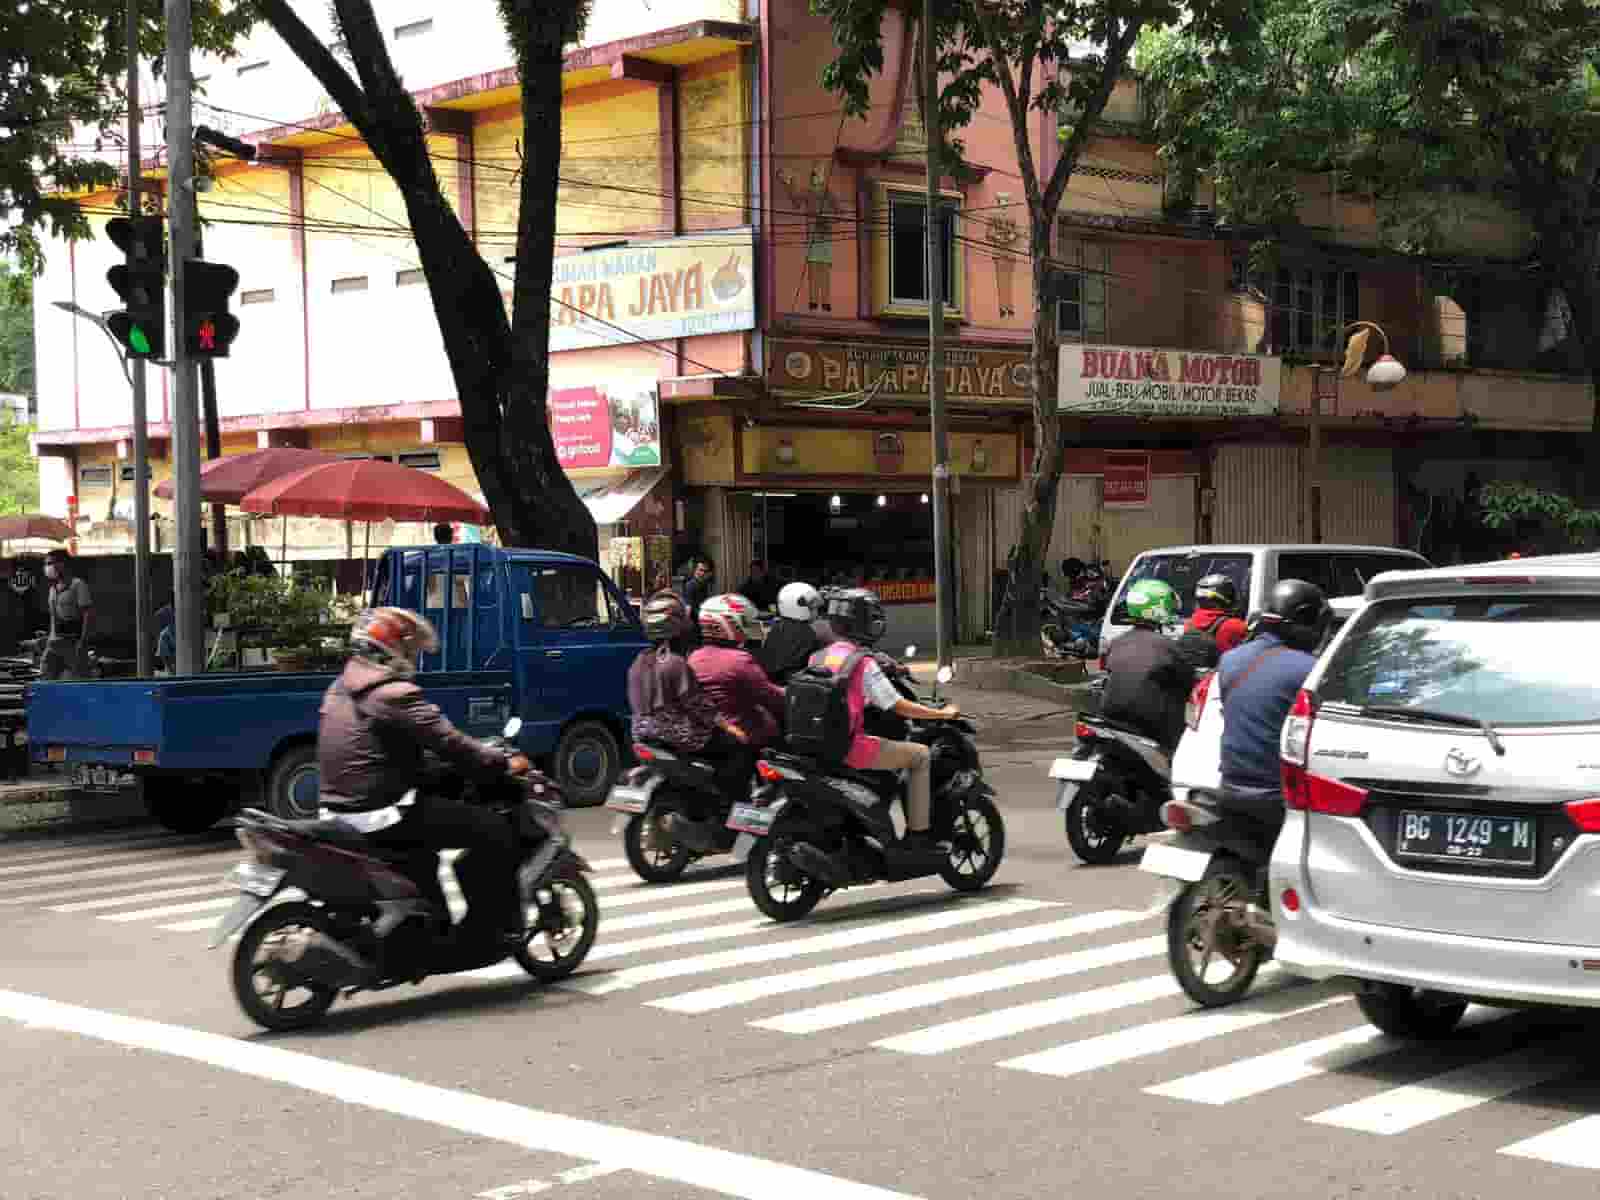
{"points": [[539, 635]]}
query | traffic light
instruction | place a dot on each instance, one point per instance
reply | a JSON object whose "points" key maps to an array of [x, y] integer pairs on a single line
{"points": [[141, 327], [208, 327]]}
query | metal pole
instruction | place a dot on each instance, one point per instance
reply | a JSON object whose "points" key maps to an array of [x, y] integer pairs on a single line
{"points": [[1313, 480], [189, 552], [143, 621], [941, 437]]}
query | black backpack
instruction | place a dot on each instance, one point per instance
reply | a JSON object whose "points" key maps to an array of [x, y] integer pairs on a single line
{"points": [[1198, 647], [817, 711]]}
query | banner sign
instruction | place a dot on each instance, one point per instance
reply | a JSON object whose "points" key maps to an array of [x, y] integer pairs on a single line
{"points": [[648, 291], [613, 425], [1127, 381], [899, 372], [1127, 479]]}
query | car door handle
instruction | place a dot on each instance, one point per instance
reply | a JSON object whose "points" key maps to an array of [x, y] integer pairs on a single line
{"points": [[552, 654]]}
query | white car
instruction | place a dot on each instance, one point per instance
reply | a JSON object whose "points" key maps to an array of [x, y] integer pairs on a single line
{"points": [[1442, 779]]}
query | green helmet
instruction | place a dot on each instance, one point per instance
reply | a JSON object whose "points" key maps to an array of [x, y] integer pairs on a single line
{"points": [[1152, 602]]}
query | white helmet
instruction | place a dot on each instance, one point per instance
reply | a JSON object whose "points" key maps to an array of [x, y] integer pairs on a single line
{"points": [[799, 602], [730, 618]]}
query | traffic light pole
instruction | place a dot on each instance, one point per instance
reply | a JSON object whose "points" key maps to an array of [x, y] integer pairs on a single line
{"points": [[189, 552], [142, 621]]}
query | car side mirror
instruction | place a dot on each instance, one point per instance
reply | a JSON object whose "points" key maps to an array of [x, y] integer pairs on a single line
{"points": [[513, 727]]}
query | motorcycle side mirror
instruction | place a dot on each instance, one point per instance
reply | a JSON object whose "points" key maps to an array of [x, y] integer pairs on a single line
{"points": [[911, 650], [946, 674], [513, 727]]}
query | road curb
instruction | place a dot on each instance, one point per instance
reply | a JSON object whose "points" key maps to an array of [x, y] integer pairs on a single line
{"points": [[1002, 676], [38, 805]]}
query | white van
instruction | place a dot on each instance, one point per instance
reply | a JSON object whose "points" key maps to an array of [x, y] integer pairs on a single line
{"points": [[1255, 571]]}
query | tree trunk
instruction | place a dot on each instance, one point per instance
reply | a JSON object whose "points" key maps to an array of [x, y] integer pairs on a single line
{"points": [[500, 378], [1017, 626]]}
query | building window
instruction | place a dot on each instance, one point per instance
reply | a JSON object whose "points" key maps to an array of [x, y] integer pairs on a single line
{"points": [[349, 283], [1081, 300], [413, 28], [252, 67], [409, 276], [900, 256], [1310, 308], [94, 477], [258, 296], [422, 460]]}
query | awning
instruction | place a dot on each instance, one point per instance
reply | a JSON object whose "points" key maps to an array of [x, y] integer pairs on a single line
{"points": [[610, 500]]}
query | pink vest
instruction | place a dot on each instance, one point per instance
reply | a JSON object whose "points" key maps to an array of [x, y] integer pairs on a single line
{"points": [[863, 746]]}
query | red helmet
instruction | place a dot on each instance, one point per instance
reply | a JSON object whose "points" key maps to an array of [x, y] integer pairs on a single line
{"points": [[395, 637]]}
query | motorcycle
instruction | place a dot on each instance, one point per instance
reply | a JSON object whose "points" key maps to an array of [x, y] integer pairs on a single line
{"points": [[1111, 789], [1218, 912], [809, 830], [373, 917], [672, 810]]}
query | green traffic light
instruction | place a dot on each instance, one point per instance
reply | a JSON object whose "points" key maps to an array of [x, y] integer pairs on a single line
{"points": [[138, 341]]}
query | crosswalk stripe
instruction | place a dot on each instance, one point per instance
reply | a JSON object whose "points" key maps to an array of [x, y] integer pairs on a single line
{"points": [[777, 950], [1253, 1076], [145, 897], [1400, 1109], [1575, 1144], [607, 864], [194, 926], [171, 910], [745, 991], [13, 886], [1004, 1022], [647, 893], [59, 852], [1157, 1037], [940, 991], [671, 916], [100, 864], [104, 889], [602, 883]]}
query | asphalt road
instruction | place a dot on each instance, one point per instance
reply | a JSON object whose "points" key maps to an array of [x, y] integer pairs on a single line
{"points": [[900, 1042]]}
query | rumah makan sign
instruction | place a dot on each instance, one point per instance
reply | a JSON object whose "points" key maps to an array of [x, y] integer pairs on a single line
{"points": [[650, 291], [1128, 381]]}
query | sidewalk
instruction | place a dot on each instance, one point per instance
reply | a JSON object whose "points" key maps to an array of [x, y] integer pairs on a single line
{"points": [[1052, 684]]}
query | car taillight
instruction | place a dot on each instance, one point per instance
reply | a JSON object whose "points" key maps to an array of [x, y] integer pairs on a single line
{"points": [[644, 753], [1197, 700], [1082, 732], [1319, 794], [1585, 814]]}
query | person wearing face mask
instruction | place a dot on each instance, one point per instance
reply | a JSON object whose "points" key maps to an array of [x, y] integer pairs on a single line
{"points": [[71, 620]]}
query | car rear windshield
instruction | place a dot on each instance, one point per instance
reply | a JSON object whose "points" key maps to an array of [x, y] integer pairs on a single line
{"points": [[1181, 572], [1344, 572], [1507, 660]]}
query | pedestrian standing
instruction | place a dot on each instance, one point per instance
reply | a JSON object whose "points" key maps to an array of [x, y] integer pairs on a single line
{"points": [[71, 620]]}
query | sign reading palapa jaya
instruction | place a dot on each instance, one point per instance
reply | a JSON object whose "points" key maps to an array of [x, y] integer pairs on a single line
{"points": [[1124, 380], [646, 291], [900, 371]]}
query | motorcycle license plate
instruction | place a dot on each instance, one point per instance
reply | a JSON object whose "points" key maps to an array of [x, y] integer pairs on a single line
{"points": [[1175, 862], [625, 799], [747, 818], [245, 907], [1077, 770]]}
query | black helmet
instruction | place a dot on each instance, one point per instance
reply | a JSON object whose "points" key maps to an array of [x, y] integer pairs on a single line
{"points": [[666, 617], [857, 614], [1216, 591], [1071, 568], [1298, 613]]}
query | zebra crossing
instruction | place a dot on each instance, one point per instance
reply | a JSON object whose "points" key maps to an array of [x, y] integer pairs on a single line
{"points": [[999, 980]]}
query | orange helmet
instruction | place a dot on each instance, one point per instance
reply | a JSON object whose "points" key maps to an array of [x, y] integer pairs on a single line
{"points": [[395, 637]]}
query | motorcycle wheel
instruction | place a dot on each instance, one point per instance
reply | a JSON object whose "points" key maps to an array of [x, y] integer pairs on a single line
{"points": [[549, 957], [768, 875], [268, 1006], [977, 844], [649, 862], [1205, 925], [1093, 837]]}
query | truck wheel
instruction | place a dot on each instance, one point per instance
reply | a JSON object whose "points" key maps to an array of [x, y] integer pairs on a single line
{"points": [[294, 784], [185, 805], [587, 760]]}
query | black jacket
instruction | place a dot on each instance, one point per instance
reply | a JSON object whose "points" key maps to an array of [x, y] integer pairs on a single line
{"points": [[1148, 686], [789, 646]]}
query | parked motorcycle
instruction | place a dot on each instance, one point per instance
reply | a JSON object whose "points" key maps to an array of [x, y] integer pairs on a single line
{"points": [[373, 917], [1219, 914], [1111, 789], [813, 829], [672, 810]]}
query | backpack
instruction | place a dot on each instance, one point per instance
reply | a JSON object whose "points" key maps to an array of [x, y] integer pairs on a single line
{"points": [[1198, 647], [817, 711]]}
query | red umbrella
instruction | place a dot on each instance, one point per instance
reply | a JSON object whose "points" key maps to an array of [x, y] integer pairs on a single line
{"points": [[20, 526], [365, 489], [228, 480]]}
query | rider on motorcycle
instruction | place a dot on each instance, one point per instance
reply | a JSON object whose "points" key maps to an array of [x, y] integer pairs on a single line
{"points": [[1259, 681], [376, 726], [858, 622], [794, 638], [1215, 627], [1149, 676], [728, 672]]}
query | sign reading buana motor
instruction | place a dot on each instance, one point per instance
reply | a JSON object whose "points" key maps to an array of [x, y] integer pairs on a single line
{"points": [[1129, 381], [681, 287]]}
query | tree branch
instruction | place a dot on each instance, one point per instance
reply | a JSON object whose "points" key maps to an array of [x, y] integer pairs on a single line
{"points": [[1017, 107], [1117, 50], [318, 59]]}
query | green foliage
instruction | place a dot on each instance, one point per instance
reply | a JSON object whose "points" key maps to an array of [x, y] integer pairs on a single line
{"points": [[298, 615], [1504, 504], [16, 331], [63, 107], [19, 470]]}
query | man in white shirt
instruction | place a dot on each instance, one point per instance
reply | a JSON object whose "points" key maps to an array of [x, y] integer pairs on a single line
{"points": [[71, 620]]}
